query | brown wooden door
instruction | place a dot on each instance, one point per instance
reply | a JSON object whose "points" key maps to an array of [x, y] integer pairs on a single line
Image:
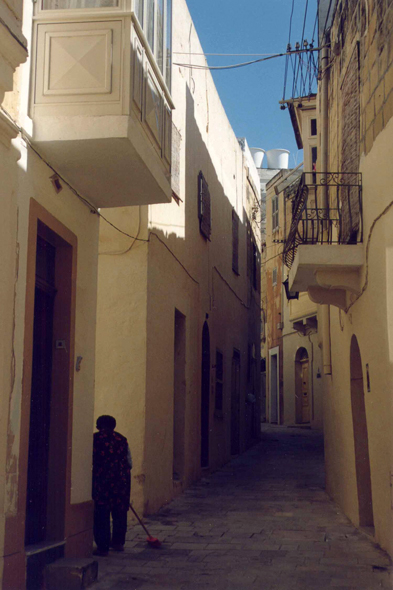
{"points": [[40, 400], [305, 392]]}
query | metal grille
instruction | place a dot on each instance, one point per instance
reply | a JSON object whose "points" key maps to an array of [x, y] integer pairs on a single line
{"points": [[314, 223]]}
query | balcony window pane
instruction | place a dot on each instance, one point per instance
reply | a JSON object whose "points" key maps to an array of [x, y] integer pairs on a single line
{"points": [[149, 25], [168, 44], [138, 9], [153, 109], [160, 34], [76, 4]]}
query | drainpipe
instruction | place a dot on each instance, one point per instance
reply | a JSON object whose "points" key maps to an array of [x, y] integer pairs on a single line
{"points": [[312, 378], [324, 119], [324, 125]]}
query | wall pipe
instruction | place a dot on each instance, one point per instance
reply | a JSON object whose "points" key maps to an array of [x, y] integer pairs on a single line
{"points": [[324, 124]]}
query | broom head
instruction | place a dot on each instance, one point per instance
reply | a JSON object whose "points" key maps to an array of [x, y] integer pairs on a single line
{"points": [[153, 542]]}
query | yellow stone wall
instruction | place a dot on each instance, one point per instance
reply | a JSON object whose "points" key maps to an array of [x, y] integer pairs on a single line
{"points": [[179, 269], [369, 316]]}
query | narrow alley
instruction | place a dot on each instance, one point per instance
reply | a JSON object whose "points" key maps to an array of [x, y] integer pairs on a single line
{"points": [[262, 521]]}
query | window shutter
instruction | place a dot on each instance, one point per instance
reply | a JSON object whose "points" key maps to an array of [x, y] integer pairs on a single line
{"points": [[204, 206], [275, 213], [235, 242]]}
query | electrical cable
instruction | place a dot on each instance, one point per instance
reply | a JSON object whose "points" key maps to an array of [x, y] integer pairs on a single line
{"points": [[288, 46], [304, 71], [13, 35], [231, 288], [272, 257], [315, 26], [302, 45], [290, 21], [222, 54], [247, 63], [368, 245], [121, 252], [152, 233], [91, 207], [327, 18]]}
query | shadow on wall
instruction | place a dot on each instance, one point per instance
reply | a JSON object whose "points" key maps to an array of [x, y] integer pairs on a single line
{"points": [[207, 286]]}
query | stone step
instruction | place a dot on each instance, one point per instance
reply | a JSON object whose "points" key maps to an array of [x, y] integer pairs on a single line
{"points": [[71, 574]]}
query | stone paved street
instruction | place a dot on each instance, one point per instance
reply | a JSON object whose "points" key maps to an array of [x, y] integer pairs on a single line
{"points": [[263, 521]]}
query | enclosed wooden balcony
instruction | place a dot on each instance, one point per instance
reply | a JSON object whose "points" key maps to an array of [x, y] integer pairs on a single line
{"points": [[323, 247], [100, 101]]}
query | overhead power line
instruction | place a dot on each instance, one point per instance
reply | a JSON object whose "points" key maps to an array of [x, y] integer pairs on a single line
{"points": [[246, 63], [290, 21], [327, 19], [221, 54]]}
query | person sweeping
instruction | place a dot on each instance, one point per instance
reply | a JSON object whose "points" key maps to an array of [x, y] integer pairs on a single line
{"points": [[112, 466]]}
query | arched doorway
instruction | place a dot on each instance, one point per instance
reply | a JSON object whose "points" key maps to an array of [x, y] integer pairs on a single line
{"points": [[302, 387], [205, 396], [360, 435]]}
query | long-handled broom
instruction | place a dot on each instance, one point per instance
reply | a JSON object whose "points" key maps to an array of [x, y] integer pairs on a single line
{"points": [[153, 542]]}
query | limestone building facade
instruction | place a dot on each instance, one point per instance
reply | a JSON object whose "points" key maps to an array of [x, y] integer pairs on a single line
{"points": [[178, 327], [347, 268], [69, 145]]}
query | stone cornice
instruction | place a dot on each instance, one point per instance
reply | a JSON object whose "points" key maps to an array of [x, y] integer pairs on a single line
{"points": [[8, 130], [12, 49]]}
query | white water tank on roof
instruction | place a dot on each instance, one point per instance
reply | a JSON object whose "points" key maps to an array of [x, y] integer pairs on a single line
{"points": [[257, 156], [277, 159]]}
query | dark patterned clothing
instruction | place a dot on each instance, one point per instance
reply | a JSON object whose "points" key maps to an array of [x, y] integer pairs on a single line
{"points": [[102, 526], [111, 470]]}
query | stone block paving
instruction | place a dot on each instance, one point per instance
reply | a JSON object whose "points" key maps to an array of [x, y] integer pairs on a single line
{"points": [[262, 521]]}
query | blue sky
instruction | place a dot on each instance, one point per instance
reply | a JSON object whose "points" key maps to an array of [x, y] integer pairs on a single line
{"points": [[250, 95]]}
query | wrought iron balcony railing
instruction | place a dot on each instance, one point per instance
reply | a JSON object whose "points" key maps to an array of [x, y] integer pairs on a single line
{"points": [[325, 208]]}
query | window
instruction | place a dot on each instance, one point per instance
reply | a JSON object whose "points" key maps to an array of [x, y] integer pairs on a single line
{"points": [[219, 382], [155, 17], [275, 223], [138, 9], [274, 276], [313, 127], [235, 242], [77, 4], [204, 207]]}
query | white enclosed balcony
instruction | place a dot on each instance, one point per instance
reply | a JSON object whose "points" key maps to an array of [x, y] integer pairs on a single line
{"points": [[100, 100]]}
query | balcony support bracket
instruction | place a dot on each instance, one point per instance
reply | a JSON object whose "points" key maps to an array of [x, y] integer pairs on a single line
{"points": [[336, 297], [334, 286], [330, 274]]}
